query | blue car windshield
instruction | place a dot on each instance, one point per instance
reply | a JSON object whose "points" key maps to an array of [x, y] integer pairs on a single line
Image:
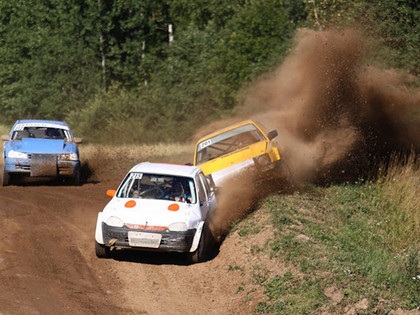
{"points": [[40, 133]]}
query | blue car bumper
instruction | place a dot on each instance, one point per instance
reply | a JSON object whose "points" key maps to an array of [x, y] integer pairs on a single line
{"points": [[42, 165]]}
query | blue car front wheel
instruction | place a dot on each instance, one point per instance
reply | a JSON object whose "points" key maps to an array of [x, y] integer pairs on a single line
{"points": [[5, 177], [76, 176]]}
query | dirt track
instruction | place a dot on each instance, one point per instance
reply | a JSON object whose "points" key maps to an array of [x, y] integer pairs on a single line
{"points": [[48, 264]]}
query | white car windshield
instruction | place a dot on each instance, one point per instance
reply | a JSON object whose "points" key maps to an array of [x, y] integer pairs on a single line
{"points": [[41, 133], [227, 142], [157, 186]]}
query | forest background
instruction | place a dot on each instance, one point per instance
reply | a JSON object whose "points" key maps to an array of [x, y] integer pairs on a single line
{"points": [[157, 70]]}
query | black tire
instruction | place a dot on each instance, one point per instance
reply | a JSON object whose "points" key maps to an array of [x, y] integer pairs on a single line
{"points": [[102, 251], [205, 245], [5, 178], [76, 178]]}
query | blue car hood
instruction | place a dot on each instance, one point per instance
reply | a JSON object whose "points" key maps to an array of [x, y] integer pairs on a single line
{"points": [[28, 145]]}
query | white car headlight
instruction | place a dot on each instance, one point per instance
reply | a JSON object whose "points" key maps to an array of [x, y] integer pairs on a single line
{"points": [[178, 227], [114, 221], [69, 157], [17, 155]]}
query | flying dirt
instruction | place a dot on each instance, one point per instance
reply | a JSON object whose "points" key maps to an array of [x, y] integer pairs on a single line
{"points": [[337, 116]]}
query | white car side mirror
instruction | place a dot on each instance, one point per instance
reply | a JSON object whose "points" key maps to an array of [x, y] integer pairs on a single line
{"points": [[5, 137]]}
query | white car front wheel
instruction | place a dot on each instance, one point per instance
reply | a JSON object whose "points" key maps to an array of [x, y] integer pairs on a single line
{"points": [[204, 246], [102, 251]]}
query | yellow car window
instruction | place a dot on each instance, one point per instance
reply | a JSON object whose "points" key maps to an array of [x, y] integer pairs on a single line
{"points": [[227, 142]]}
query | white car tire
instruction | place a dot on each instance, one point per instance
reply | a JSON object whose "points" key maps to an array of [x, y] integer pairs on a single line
{"points": [[102, 251], [204, 246]]}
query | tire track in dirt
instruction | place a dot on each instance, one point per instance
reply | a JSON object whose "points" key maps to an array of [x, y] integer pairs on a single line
{"points": [[44, 270], [48, 264]]}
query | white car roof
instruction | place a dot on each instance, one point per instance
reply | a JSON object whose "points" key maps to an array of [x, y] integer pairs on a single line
{"points": [[166, 168], [20, 124]]}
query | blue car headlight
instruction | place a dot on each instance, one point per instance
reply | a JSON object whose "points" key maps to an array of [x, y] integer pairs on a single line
{"points": [[17, 155], [68, 157]]}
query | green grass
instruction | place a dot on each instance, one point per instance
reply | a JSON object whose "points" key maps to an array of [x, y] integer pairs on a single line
{"points": [[362, 239], [251, 226], [398, 203], [113, 161], [4, 130]]}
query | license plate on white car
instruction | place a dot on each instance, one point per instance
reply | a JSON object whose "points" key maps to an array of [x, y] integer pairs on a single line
{"points": [[142, 239]]}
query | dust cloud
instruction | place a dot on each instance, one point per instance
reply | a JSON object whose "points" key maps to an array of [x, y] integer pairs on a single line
{"points": [[234, 200], [337, 116]]}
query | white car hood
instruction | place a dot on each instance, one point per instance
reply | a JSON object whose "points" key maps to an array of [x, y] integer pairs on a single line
{"points": [[150, 212]]}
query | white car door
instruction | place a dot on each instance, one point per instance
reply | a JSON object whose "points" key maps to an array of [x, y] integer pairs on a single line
{"points": [[205, 206], [213, 191], [210, 199]]}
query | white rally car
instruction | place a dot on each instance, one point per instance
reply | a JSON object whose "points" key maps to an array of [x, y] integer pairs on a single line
{"points": [[162, 207]]}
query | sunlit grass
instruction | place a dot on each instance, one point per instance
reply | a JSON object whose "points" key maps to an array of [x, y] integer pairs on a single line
{"points": [[4, 130], [135, 152], [103, 161], [359, 240], [118, 159], [345, 246], [399, 200]]}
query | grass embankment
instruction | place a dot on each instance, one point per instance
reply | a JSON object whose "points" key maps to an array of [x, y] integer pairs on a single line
{"points": [[101, 162], [346, 248], [3, 131]]}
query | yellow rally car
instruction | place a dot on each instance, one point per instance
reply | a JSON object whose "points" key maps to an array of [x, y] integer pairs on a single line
{"points": [[243, 146]]}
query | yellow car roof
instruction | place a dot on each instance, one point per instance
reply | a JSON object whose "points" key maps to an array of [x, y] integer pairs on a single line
{"points": [[246, 122]]}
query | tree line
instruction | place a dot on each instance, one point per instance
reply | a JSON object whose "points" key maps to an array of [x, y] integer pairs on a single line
{"points": [[161, 68]]}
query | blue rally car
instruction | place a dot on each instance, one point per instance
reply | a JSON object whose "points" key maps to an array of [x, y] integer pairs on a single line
{"points": [[40, 148]]}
